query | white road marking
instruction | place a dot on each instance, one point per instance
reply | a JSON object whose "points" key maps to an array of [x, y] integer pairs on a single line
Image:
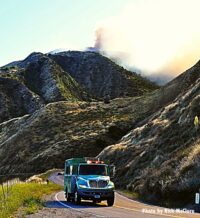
{"points": [[167, 215], [128, 199], [131, 209], [67, 206]]}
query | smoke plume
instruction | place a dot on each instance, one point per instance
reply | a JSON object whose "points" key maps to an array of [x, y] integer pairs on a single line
{"points": [[158, 37]]}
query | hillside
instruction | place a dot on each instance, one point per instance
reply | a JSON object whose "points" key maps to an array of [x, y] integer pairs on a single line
{"points": [[34, 82], [39, 79], [60, 130], [16, 99], [160, 158], [44, 77], [101, 76], [64, 129]]}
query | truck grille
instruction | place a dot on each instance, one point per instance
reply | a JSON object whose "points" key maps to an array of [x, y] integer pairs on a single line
{"points": [[98, 183], [102, 183]]}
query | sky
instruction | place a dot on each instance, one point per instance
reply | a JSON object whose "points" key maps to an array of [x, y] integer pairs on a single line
{"points": [[158, 38], [45, 25]]}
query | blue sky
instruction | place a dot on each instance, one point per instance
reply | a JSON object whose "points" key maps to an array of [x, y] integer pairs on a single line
{"points": [[45, 25]]}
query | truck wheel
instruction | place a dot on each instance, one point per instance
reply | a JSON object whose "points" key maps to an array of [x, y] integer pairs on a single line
{"points": [[110, 201], [77, 198]]}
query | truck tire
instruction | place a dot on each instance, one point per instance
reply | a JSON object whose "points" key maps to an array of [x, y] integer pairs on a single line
{"points": [[77, 198], [110, 201]]}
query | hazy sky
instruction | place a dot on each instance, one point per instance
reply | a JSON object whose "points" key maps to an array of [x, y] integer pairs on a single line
{"points": [[157, 37], [45, 25]]}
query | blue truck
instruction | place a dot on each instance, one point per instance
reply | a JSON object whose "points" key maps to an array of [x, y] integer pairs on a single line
{"points": [[88, 179]]}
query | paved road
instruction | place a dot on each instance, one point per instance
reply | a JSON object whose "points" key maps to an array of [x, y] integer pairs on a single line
{"points": [[123, 207]]}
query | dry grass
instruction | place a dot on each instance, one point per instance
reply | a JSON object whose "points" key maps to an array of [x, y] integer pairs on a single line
{"points": [[64, 129], [160, 159]]}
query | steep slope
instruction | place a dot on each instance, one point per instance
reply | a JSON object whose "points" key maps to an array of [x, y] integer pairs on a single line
{"points": [[16, 99], [100, 76], [29, 84], [44, 77], [160, 158], [48, 77], [60, 130]]}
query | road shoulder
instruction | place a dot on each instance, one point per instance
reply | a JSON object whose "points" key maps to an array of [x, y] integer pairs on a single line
{"points": [[53, 209]]}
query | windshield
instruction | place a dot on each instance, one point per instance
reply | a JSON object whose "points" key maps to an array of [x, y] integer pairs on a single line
{"points": [[93, 169]]}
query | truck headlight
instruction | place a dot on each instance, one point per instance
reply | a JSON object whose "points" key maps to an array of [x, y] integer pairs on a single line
{"points": [[82, 186], [111, 185]]}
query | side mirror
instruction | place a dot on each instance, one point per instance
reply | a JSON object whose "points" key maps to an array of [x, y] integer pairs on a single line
{"points": [[112, 171]]}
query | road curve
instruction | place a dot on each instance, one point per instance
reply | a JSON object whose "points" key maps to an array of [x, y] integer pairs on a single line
{"points": [[123, 207]]}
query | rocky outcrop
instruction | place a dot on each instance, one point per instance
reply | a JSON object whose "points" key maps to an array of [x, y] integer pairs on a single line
{"points": [[100, 76], [34, 82], [48, 80], [16, 99], [43, 76]]}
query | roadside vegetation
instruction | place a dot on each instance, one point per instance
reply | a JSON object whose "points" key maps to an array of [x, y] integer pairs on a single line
{"points": [[129, 194], [45, 176], [26, 196]]}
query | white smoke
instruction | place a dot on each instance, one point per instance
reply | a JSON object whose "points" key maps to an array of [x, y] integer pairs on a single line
{"points": [[158, 37]]}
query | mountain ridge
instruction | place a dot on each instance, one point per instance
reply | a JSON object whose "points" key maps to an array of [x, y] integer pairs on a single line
{"points": [[43, 77], [84, 65], [104, 74]]}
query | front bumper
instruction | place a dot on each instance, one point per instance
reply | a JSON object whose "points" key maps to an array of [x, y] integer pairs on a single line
{"points": [[90, 194]]}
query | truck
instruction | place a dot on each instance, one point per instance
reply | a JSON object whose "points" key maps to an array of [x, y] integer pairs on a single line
{"points": [[88, 179]]}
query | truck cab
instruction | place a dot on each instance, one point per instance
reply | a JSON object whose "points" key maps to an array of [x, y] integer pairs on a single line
{"points": [[88, 179]]}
